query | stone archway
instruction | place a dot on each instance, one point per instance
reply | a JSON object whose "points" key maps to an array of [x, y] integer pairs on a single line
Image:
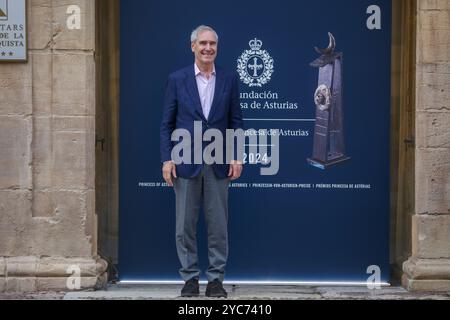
{"points": [[54, 215]]}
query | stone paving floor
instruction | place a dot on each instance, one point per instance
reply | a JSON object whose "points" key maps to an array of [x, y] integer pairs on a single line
{"points": [[236, 292]]}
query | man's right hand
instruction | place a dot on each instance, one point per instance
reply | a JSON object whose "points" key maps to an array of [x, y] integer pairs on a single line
{"points": [[169, 172]]}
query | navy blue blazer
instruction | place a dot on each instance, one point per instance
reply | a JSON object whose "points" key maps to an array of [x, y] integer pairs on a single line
{"points": [[182, 107]]}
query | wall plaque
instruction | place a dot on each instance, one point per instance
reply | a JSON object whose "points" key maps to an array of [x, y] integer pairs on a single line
{"points": [[13, 30]]}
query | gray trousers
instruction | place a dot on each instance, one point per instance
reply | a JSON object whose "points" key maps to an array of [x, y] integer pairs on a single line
{"points": [[212, 193]]}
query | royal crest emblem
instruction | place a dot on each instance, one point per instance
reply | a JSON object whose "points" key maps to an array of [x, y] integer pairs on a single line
{"points": [[255, 66]]}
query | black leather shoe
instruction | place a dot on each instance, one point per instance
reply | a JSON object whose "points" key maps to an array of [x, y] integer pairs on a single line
{"points": [[191, 288], [215, 290]]}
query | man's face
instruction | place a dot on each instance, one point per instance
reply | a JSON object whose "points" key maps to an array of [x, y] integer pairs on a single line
{"points": [[205, 48]]}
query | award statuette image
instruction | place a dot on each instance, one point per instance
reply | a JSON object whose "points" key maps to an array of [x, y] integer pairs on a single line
{"points": [[329, 140]]}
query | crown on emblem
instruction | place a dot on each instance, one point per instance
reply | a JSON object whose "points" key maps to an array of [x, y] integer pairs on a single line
{"points": [[255, 44]]}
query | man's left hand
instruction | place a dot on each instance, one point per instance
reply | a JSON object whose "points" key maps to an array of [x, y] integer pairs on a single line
{"points": [[235, 170]]}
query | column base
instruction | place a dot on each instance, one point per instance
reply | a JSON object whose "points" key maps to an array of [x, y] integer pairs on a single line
{"points": [[426, 275], [33, 274]]}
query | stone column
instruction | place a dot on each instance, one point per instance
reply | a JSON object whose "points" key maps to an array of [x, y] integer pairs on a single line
{"points": [[429, 267], [48, 224]]}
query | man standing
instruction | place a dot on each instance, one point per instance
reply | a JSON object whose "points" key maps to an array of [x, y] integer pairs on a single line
{"points": [[206, 94]]}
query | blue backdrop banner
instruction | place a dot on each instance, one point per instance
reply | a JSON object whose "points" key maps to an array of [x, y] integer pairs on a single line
{"points": [[323, 212]]}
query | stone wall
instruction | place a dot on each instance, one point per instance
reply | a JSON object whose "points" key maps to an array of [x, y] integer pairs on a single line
{"points": [[429, 266], [47, 154]]}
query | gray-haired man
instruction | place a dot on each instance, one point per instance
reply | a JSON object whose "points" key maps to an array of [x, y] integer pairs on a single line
{"points": [[207, 94]]}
